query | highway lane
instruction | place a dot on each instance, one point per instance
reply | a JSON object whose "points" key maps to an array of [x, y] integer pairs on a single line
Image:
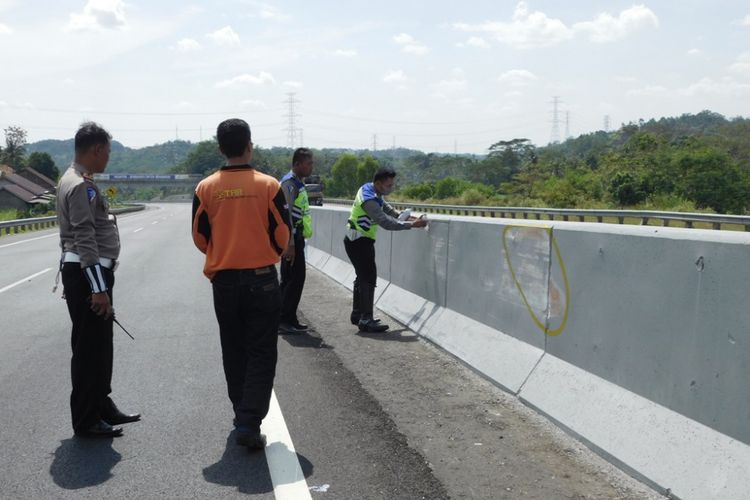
{"points": [[172, 374], [379, 417]]}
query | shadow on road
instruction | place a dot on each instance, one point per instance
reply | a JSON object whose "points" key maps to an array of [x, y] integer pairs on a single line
{"points": [[391, 335], [80, 463], [246, 470]]}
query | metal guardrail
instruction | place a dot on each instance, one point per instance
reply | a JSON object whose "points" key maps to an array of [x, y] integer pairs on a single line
{"points": [[643, 217], [19, 225]]}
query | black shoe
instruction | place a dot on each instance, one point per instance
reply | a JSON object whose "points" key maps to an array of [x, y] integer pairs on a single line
{"points": [[119, 418], [292, 329], [101, 429], [371, 326], [253, 440], [354, 317]]}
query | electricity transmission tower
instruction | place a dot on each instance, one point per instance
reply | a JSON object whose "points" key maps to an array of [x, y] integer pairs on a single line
{"points": [[555, 135], [291, 115]]}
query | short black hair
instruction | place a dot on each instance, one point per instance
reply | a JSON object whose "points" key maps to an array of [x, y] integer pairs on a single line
{"points": [[384, 173], [90, 134], [233, 136], [300, 155]]}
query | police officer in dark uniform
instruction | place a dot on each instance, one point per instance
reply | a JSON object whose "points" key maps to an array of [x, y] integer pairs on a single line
{"points": [[90, 245], [293, 259]]}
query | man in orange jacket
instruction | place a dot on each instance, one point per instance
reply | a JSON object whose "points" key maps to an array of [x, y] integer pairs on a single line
{"points": [[241, 222]]}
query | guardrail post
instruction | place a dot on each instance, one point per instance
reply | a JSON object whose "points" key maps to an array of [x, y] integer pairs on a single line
{"points": [[537, 216], [665, 222], [717, 225], [565, 217], [644, 221], [621, 220]]}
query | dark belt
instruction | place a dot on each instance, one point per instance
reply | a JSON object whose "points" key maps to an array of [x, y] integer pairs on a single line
{"points": [[258, 271]]}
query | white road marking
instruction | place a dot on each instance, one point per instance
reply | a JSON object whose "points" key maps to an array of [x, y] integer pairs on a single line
{"points": [[30, 239], [286, 474], [24, 280], [139, 229]]}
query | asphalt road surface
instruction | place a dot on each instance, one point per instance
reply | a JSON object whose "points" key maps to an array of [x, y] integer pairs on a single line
{"points": [[355, 416]]}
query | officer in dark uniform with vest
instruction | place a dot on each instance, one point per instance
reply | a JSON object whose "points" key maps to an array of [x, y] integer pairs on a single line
{"points": [[370, 211], [293, 259], [90, 244]]}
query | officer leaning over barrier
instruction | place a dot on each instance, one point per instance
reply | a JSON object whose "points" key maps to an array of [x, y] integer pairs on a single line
{"points": [[293, 259], [369, 211], [90, 244]]}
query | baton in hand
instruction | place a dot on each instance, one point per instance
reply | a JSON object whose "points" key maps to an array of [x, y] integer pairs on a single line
{"points": [[123, 328]]}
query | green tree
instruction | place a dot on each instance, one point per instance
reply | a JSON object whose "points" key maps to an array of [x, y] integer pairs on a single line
{"points": [[15, 147], [712, 180], [204, 159], [344, 179], [44, 164]]}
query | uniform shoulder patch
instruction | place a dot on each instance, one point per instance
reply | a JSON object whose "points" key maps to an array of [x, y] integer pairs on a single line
{"points": [[91, 193]]}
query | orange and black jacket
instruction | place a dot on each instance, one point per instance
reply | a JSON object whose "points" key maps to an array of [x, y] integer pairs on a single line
{"points": [[240, 220]]}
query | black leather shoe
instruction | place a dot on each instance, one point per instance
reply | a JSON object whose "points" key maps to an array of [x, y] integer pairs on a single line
{"points": [[119, 418], [101, 429], [290, 329], [252, 440], [371, 326], [300, 326]]}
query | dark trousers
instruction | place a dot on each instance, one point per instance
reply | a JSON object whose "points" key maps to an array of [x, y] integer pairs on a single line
{"points": [[292, 282], [247, 304], [91, 342], [361, 253]]}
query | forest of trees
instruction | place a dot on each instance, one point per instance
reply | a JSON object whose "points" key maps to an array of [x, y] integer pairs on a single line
{"points": [[688, 163]]}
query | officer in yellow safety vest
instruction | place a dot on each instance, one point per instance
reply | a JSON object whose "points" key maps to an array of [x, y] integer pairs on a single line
{"points": [[369, 212], [293, 258]]}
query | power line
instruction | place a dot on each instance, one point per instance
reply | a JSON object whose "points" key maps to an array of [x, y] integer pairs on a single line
{"points": [[129, 113]]}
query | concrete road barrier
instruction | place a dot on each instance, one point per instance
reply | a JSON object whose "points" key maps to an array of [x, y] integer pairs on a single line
{"points": [[635, 339]]}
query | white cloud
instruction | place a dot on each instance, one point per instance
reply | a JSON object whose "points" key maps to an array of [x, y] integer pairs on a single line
{"points": [[513, 93], [404, 39], [606, 28], [272, 13], [410, 45], [5, 29], [742, 66], [526, 30], [693, 52], [69, 81], [744, 21], [225, 37], [185, 105], [476, 42], [246, 79], [517, 77], [727, 86], [395, 76], [452, 85], [534, 29], [648, 91], [626, 79], [188, 44], [292, 84], [98, 15], [345, 52], [3, 104], [253, 104]]}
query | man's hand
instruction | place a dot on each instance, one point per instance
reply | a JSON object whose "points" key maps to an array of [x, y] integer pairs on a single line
{"points": [[288, 254], [100, 305], [419, 222]]}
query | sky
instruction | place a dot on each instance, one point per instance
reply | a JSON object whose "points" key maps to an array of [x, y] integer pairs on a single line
{"points": [[437, 76]]}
